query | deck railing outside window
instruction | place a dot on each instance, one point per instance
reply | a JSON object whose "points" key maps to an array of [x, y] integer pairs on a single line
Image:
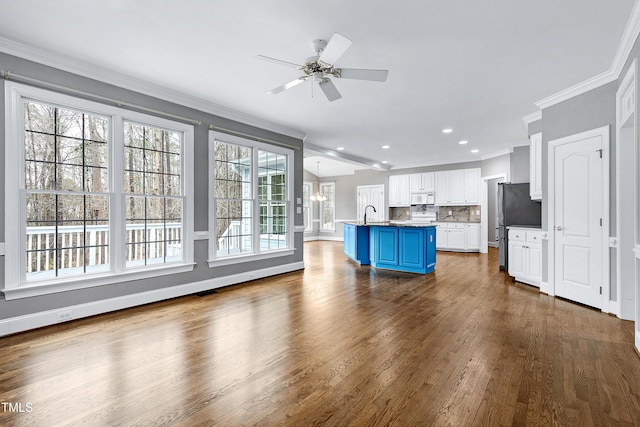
{"points": [[87, 248]]}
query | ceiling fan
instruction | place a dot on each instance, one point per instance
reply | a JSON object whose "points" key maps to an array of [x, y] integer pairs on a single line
{"points": [[320, 67]]}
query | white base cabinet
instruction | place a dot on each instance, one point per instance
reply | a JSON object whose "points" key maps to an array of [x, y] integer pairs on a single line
{"points": [[458, 236], [525, 255]]}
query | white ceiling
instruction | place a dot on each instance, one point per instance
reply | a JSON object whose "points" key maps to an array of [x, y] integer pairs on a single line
{"points": [[324, 166], [474, 66]]}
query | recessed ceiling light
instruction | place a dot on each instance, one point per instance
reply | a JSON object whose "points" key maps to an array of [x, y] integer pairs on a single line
{"points": [[384, 162], [475, 150], [447, 130], [462, 142], [385, 146], [340, 148]]}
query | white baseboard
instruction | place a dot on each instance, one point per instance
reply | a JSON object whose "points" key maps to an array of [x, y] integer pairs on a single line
{"points": [[492, 244], [614, 308], [544, 288], [330, 238], [59, 315]]}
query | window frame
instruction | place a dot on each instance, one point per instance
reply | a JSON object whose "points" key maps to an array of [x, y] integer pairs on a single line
{"points": [[256, 254], [16, 285], [322, 221]]}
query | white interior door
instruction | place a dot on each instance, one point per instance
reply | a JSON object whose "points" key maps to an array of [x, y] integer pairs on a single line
{"points": [[577, 217], [370, 195]]}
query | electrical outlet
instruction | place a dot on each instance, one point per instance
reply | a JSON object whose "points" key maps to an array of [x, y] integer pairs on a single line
{"points": [[64, 315], [450, 212]]}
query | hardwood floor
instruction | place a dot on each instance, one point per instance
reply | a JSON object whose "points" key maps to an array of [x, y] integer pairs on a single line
{"points": [[336, 344]]}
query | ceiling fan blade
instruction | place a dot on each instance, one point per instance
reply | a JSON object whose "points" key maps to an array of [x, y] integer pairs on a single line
{"points": [[288, 85], [330, 90], [335, 48], [357, 74], [279, 61]]}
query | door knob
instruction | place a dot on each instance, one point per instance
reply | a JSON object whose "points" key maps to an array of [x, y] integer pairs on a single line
{"points": [[558, 227]]}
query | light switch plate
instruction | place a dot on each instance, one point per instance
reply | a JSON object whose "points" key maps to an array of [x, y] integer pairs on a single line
{"points": [[299, 210], [299, 201]]}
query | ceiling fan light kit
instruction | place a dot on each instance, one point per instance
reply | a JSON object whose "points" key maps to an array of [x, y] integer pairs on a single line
{"points": [[320, 67]]}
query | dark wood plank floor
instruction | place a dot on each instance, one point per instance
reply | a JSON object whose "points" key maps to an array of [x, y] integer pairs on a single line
{"points": [[336, 344]]}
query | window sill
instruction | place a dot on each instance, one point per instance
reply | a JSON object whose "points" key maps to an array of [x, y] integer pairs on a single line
{"points": [[82, 282], [250, 257]]}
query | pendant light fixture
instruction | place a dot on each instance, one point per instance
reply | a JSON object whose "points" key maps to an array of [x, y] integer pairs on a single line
{"points": [[318, 197]]}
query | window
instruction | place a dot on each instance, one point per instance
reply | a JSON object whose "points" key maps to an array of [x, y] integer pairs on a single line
{"points": [[328, 207], [153, 199], [250, 207], [103, 193], [307, 189]]}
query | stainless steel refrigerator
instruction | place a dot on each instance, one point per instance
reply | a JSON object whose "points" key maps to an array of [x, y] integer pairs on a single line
{"points": [[515, 207]]}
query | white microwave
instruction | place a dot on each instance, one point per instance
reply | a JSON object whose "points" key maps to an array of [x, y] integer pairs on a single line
{"points": [[423, 199]]}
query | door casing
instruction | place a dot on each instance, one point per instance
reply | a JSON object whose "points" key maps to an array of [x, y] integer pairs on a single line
{"points": [[603, 132]]}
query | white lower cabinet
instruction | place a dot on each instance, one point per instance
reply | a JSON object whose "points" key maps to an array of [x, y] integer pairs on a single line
{"points": [[457, 236], [473, 236], [525, 255]]}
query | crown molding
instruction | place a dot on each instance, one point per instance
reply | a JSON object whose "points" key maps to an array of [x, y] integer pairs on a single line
{"points": [[533, 117], [497, 153], [91, 71], [631, 32], [579, 89]]}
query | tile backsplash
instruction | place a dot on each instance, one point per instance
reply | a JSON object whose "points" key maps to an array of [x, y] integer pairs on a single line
{"points": [[458, 213]]}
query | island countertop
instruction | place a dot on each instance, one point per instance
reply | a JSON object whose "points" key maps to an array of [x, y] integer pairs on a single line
{"points": [[390, 224]]}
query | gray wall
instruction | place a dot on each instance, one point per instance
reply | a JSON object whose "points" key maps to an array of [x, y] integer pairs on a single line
{"points": [[534, 127], [520, 165], [497, 166], [590, 110], [202, 271], [587, 111]]}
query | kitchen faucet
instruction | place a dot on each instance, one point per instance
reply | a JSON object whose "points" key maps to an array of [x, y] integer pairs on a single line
{"points": [[365, 212]]}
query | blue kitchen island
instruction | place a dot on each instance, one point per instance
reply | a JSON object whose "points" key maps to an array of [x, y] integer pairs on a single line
{"points": [[390, 246]]}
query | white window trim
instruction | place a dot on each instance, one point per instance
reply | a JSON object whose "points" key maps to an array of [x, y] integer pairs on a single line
{"points": [[15, 215], [213, 260], [322, 229]]}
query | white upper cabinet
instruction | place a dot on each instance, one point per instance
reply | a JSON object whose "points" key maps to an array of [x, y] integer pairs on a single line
{"points": [[535, 166], [472, 186], [399, 194], [422, 182], [458, 187], [442, 188]]}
